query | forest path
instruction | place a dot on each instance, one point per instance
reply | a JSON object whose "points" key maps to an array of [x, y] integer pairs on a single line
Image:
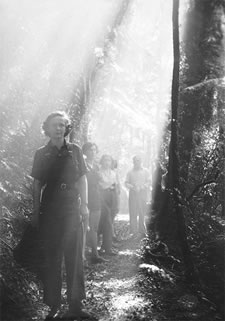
{"points": [[112, 287], [117, 291]]}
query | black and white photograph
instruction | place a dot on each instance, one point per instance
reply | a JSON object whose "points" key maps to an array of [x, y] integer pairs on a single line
{"points": [[112, 160]]}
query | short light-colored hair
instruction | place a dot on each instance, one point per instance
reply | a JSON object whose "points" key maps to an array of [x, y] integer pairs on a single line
{"points": [[104, 157], [45, 125]]}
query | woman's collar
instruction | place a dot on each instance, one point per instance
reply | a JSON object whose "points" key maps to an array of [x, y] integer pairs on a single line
{"points": [[51, 145]]}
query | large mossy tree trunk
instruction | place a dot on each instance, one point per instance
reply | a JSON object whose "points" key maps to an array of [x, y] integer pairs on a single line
{"points": [[203, 50]]}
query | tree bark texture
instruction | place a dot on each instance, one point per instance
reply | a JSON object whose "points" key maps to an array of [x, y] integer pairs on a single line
{"points": [[205, 59]]}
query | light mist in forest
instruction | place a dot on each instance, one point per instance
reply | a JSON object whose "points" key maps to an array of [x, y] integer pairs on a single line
{"points": [[49, 45]]}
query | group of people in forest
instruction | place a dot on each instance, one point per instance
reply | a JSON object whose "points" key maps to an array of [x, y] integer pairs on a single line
{"points": [[75, 201]]}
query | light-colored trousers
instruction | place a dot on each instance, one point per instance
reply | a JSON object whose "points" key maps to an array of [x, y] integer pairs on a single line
{"points": [[137, 211]]}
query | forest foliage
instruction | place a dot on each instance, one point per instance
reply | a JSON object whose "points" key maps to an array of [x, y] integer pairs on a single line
{"points": [[120, 95], [197, 232]]}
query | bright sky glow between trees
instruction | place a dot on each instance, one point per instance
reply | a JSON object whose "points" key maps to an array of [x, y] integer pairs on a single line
{"points": [[49, 44]]}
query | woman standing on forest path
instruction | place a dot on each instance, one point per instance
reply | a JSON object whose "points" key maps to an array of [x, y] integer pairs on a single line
{"points": [[109, 185], [60, 206], [94, 199]]}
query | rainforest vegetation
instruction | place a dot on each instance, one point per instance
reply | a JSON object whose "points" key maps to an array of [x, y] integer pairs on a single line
{"points": [[135, 76]]}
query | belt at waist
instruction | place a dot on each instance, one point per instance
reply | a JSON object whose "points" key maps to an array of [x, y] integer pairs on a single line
{"points": [[61, 186], [109, 189]]}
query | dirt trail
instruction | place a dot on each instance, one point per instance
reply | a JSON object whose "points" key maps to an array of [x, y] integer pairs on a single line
{"points": [[116, 291], [112, 289]]}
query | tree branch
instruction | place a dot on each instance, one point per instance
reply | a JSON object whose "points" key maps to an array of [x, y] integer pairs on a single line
{"points": [[197, 188], [210, 82], [6, 243]]}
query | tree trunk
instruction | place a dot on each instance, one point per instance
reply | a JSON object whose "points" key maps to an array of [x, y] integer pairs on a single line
{"points": [[170, 224], [83, 91], [205, 59], [166, 223]]}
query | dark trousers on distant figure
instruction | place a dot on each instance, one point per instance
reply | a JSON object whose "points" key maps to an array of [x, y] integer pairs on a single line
{"points": [[106, 221], [63, 238], [137, 211], [94, 219]]}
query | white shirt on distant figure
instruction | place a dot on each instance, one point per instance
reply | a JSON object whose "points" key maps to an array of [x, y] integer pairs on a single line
{"points": [[108, 177], [138, 179], [138, 183]]}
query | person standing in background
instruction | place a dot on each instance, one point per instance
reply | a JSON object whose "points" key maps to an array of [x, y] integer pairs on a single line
{"points": [[94, 199], [116, 200], [109, 202], [138, 183]]}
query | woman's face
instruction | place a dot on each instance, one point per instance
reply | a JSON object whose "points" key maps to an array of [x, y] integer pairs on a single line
{"points": [[57, 127], [137, 162], [107, 162], [91, 153]]}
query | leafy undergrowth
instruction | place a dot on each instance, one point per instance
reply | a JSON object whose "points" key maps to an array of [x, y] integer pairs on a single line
{"points": [[173, 297], [19, 289], [207, 239], [199, 297], [129, 286]]}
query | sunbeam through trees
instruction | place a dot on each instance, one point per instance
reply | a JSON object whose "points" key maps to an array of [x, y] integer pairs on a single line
{"points": [[143, 85]]}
